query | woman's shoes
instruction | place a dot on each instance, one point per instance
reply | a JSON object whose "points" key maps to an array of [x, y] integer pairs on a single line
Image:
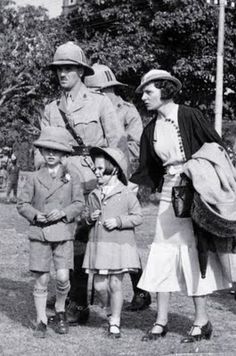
{"points": [[205, 333], [114, 331], [151, 336]]}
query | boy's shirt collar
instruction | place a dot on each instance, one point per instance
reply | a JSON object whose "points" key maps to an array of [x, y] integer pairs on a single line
{"points": [[54, 171]]}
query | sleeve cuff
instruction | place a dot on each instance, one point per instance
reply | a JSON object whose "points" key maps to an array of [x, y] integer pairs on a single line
{"points": [[119, 222]]}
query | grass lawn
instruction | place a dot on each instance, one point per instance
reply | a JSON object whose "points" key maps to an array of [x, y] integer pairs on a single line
{"points": [[17, 315]]}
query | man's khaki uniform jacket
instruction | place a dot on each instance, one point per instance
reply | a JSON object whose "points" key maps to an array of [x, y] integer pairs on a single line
{"points": [[132, 123], [94, 120]]}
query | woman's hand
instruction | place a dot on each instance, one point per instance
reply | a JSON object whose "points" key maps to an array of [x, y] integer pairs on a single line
{"points": [[110, 224], [95, 215], [55, 215]]}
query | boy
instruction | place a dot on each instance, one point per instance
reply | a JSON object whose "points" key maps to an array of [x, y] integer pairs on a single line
{"points": [[51, 199]]}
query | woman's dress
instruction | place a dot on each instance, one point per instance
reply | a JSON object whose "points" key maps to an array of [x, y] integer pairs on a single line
{"points": [[173, 259]]}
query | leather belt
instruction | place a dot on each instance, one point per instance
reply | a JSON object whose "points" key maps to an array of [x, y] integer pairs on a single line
{"points": [[81, 151]]}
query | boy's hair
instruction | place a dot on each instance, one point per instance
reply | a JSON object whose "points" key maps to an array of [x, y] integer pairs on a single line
{"points": [[168, 88], [110, 165]]}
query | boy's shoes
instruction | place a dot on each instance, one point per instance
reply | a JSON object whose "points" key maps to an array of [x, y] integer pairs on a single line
{"points": [[77, 314], [61, 325], [40, 330], [140, 301]]}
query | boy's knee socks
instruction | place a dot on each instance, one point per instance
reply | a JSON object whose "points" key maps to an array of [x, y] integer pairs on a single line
{"points": [[63, 287], [40, 292], [40, 300]]}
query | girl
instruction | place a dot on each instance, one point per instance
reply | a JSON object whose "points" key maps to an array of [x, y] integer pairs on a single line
{"points": [[114, 211]]}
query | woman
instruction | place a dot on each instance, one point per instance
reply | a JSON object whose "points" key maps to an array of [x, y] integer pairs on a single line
{"points": [[168, 141]]}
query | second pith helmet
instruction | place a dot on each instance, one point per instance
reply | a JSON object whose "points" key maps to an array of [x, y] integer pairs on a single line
{"points": [[116, 155], [102, 78], [70, 53]]}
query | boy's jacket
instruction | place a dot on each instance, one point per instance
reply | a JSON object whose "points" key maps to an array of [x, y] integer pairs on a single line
{"points": [[41, 193]]}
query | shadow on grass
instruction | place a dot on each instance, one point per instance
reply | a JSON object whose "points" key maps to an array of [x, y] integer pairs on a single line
{"points": [[143, 320], [225, 300], [16, 301]]}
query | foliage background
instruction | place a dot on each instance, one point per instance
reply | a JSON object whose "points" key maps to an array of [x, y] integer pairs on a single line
{"points": [[130, 36]]}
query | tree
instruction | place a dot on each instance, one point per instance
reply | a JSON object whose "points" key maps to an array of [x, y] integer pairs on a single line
{"points": [[180, 36], [27, 41], [130, 36]]}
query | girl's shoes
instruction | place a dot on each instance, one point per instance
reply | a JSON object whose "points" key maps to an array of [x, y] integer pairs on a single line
{"points": [[114, 331], [205, 333], [150, 336]]}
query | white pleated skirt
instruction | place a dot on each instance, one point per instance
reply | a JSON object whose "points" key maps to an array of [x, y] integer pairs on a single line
{"points": [[173, 264]]}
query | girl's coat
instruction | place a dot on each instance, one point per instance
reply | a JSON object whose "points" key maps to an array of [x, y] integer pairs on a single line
{"points": [[114, 249]]}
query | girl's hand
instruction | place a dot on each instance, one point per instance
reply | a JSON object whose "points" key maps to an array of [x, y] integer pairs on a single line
{"points": [[41, 218], [55, 215], [95, 215], [110, 224]]}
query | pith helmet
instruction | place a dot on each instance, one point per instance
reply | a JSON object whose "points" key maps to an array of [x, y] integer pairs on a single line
{"points": [[70, 53], [157, 74], [116, 155], [56, 138], [103, 78]]}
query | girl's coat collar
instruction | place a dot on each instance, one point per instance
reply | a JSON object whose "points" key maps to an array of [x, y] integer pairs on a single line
{"points": [[117, 189]]}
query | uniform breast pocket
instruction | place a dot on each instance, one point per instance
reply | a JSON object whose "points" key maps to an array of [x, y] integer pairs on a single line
{"points": [[90, 130]]}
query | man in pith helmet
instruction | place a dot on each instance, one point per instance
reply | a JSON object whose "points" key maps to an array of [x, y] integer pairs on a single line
{"points": [[105, 81], [91, 120]]}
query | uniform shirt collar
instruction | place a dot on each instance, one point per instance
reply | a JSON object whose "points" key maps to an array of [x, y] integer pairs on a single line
{"points": [[79, 90]]}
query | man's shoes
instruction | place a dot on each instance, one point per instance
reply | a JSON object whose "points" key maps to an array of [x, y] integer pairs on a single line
{"points": [[140, 301], [61, 325], [40, 330], [77, 314]]}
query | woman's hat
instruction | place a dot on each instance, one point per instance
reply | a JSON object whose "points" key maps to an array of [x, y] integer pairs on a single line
{"points": [[157, 74], [116, 155], [103, 78], [56, 138]]}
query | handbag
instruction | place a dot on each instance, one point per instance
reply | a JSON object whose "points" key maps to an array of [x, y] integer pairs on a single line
{"points": [[182, 197]]}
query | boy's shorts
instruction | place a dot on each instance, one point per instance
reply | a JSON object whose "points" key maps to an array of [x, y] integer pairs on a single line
{"points": [[42, 253]]}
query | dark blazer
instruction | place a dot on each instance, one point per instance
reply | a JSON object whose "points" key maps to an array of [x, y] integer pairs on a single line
{"points": [[195, 131]]}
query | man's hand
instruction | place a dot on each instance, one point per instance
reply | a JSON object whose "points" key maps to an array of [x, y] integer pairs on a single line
{"points": [[110, 224], [55, 215]]}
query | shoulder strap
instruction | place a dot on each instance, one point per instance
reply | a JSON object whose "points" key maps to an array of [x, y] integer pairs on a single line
{"points": [[77, 138]]}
